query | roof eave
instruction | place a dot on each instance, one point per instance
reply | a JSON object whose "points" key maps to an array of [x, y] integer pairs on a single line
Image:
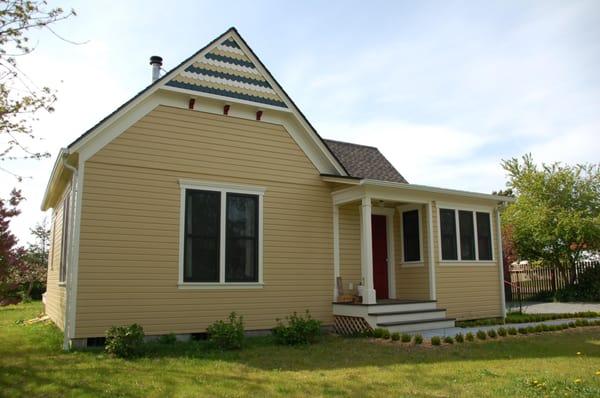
{"points": [[429, 189], [56, 171]]}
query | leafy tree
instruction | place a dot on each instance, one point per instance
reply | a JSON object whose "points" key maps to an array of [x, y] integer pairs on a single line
{"points": [[8, 241], [32, 265], [21, 99], [556, 215]]}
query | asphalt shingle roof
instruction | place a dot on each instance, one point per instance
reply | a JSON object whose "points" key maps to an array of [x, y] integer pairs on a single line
{"points": [[364, 161]]}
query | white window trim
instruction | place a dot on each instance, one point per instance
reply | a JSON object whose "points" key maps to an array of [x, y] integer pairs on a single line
{"points": [[473, 209], [421, 261], [223, 188]]}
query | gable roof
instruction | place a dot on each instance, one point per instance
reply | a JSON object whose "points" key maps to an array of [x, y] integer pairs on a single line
{"points": [[364, 161]]}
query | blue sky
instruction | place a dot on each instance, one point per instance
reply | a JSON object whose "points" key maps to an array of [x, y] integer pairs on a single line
{"points": [[444, 89]]}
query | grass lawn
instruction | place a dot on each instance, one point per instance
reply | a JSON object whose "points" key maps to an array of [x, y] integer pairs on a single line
{"points": [[32, 364]]}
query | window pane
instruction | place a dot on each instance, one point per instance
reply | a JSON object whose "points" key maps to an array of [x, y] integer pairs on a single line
{"points": [[484, 236], [202, 226], [448, 233], [410, 230], [467, 235], [241, 258]]}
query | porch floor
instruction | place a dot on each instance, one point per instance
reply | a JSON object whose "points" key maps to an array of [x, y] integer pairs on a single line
{"points": [[390, 301]]}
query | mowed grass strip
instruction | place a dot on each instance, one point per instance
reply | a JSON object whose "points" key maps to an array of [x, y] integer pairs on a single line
{"points": [[33, 364]]}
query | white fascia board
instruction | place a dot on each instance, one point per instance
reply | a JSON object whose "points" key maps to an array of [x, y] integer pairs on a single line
{"points": [[430, 189]]}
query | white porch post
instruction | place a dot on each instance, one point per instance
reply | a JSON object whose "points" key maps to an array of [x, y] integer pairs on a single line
{"points": [[432, 286], [336, 249], [500, 256], [366, 251]]}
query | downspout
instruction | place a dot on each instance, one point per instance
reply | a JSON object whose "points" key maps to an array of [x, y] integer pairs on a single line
{"points": [[70, 288]]}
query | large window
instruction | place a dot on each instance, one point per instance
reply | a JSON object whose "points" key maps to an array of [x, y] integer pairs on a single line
{"points": [[221, 235], [64, 247], [411, 236], [465, 235]]}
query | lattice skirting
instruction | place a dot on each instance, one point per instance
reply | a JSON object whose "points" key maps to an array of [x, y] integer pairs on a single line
{"points": [[350, 325]]}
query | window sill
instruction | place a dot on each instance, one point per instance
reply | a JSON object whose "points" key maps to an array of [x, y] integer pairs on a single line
{"points": [[412, 264], [467, 263], [62, 284], [212, 286]]}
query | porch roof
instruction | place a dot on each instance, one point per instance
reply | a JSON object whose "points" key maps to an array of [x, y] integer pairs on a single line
{"points": [[358, 189]]}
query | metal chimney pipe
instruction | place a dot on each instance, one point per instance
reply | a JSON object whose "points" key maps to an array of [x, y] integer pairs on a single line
{"points": [[156, 63]]}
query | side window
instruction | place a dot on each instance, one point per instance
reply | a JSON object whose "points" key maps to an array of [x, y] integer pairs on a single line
{"points": [[448, 234]]}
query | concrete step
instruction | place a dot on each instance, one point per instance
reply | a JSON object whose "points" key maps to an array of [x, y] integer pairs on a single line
{"points": [[403, 316], [416, 326], [374, 309]]}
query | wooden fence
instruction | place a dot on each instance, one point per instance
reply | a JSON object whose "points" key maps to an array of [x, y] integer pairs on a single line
{"points": [[537, 282]]}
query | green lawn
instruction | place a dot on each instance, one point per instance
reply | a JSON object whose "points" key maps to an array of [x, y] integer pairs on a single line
{"points": [[32, 364]]}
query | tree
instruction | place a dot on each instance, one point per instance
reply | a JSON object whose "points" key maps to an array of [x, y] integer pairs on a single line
{"points": [[21, 99], [556, 215], [8, 241], [31, 266]]}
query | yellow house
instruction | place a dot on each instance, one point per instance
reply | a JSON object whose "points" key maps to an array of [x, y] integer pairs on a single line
{"points": [[210, 192]]}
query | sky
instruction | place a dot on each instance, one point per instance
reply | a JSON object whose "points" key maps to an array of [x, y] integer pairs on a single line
{"points": [[445, 90]]}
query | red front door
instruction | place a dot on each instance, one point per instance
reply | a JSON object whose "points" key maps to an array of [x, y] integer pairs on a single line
{"points": [[380, 267]]}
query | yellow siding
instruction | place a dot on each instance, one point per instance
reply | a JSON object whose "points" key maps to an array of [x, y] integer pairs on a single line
{"points": [[350, 270], [468, 291], [412, 280], [128, 265], [55, 294]]}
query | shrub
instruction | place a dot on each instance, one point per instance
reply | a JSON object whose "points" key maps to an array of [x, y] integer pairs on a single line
{"points": [[227, 335], [124, 341], [538, 328], [572, 324], [492, 333], [167, 338], [386, 334], [418, 339], [435, 340], [523, 330], [448, 340], [378, 333], [545, 327], [459, 338], [512, 331], [564, 326], [406, 338], [502, 332], [586, 289], [396, 336], [469, 336], [299, 330], [530, 329], [481, 335]]}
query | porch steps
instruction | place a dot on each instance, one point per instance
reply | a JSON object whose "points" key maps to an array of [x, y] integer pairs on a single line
{"points": [[399, 315]]}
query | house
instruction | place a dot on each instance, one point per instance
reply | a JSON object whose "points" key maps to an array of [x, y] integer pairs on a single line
{"points": [[210, 192]]}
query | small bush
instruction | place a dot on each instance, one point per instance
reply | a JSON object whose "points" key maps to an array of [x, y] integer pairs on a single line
{"points": [[469, 336], [545, 327], [406, 338], [418, 339], [502, 332], [386, 334], [227, 335], [124, 341], [539, 328], [481, 335], [448, 340], [523, 330], [492, 333], [564, 326], [366, 333], [167, 338], [435, 340], [512, 331], [459, 338], [378, 333], [530, 329], [396, 336], [299, 330]]}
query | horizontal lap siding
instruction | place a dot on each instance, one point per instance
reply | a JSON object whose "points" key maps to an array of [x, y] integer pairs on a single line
{"points": [[350, 270], [55, 294], [129, 243], [468, 291], [412, 283]]}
